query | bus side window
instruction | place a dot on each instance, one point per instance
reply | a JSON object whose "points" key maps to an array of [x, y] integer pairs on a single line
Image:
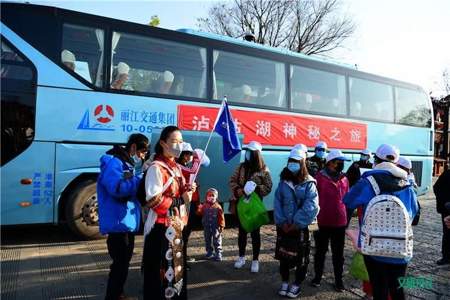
{"points": [[160, 66], [82, 52], [372, 100], [318, 91], [412, 107], [248, 80]]}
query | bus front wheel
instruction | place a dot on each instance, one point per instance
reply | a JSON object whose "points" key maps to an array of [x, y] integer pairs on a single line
{"points": [[82, 211]]}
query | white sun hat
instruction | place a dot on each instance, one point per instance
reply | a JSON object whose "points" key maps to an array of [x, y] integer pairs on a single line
{"points": [[297, 154], [255, 146], [404, 162], [123, 68], [388, 153], [336, 154], [186, 147], [67, 56], [301, 147]]}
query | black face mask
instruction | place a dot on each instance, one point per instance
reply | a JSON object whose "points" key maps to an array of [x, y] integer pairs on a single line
{"points": [[339, 167]]}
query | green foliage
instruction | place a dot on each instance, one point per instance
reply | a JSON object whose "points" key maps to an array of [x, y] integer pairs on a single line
{"points": [[154, 21]]}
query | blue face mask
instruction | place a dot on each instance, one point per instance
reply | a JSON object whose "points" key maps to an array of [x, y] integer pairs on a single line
{"points": [[321, 154], [137, 163], [293, 167], [248, 155]]}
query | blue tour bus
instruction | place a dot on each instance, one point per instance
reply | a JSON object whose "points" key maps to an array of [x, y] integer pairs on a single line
{"points": [[65, 100]]}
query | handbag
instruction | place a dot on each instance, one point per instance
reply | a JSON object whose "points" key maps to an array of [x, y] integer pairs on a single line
{"points": [[287, 246], [252, 212]]}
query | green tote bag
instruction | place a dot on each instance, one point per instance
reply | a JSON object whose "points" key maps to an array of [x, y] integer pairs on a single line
{"points": [[251, 212]]}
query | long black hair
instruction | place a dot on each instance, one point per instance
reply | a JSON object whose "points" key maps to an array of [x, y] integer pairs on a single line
{"points": [[254, 164], [165, 133], [140, 140]]}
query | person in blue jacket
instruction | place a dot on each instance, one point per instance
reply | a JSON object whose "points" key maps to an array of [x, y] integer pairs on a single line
{"points": [[119, 209], [384, 272], [296, 206]]}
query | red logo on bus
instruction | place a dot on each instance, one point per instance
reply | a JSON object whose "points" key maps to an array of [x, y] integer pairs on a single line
{"points": [[104, 113]]}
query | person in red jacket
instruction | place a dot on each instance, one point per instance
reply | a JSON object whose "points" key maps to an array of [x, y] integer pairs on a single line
{"points": [[332, 185], [189, 162]]}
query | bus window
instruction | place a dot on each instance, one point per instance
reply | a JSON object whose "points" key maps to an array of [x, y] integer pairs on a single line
{"points": [[249, 80], [372, 100], [412, 108], [18, 103], [318, 91], [82, 52], [160, 67]]}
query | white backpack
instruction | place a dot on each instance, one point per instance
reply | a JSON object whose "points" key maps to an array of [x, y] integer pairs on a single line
{"points": [[386, 228]]}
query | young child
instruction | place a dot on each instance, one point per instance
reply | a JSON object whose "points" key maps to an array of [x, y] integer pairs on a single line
{"points": [[213, 221]]}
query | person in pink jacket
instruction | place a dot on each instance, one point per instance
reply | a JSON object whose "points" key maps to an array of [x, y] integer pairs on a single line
{"points": [[332, 185]]}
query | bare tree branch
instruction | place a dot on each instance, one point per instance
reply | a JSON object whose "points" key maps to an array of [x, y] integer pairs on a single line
{"points": [[307, 26]]}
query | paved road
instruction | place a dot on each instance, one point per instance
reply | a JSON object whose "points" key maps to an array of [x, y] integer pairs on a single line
{"points": [[46, 262]]}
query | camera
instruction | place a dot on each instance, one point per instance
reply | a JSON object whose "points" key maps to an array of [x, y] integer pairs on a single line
{"points": [[250, 37]]}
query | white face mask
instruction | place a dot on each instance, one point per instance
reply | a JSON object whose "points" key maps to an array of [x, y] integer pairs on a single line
{"points": [[174, 149]]}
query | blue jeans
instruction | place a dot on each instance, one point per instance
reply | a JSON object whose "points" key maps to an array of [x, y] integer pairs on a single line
{"points": [[213, 241]]}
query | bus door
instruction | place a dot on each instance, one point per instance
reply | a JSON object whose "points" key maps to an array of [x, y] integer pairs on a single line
{"points": [[27, 166]]}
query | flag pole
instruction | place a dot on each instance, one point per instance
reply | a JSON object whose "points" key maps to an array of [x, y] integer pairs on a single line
{"points": [[209, 139]]}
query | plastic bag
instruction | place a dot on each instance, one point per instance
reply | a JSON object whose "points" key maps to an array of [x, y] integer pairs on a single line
{"points": [[251, 212], [358, 267]]}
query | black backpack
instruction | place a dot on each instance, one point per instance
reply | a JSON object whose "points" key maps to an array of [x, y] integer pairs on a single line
{"points": [[140, 194]]}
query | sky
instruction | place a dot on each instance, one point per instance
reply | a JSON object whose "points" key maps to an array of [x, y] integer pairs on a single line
{"points": [[407, 40]]}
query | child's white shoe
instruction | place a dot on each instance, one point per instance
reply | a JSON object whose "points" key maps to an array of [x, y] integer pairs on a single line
{"points": [[240, 262], [255, 266]]}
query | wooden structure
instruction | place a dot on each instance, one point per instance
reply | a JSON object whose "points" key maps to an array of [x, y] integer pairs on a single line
{"points": [[441, 133]]}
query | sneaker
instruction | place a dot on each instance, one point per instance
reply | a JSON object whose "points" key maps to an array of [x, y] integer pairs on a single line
{"points": [[294, 292], [255, 266], [443, 261], [218, 257], [284, 289], [209, 256], [315, 282], [240, 262]]}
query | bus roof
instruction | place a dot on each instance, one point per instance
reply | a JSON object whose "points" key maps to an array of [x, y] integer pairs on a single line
{"points": [[244, 43], [204, 37]]}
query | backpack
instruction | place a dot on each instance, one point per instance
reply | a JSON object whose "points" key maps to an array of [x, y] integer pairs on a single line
{"points": [[386, 227], [140, 193]]}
